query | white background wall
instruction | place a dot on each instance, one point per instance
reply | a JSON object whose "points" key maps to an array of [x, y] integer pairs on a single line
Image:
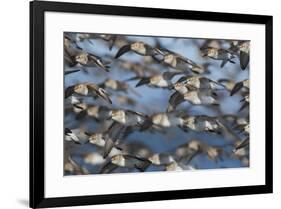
{"points": [[14, 87]]}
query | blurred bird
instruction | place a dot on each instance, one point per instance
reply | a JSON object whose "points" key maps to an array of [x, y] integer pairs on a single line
{"points": [[87, 89], [89, 60], [136, 148], [140, 70], [200, 123], [124, 100], [179, 62], [125, 161], [117, 86], [76, 135], [160, 80], [138, 47], [214, 153], [130, 161], [109, 38], [99, 113], [128, 117], [242, 48], [93, 158], [70, 166], [99, 139], [161, 159], [186, 152], [218, 54], [163, 120], [204, 97], [174, 166], [188, 83], [74, 54]]}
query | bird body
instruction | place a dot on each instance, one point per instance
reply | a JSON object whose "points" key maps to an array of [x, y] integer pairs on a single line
{"points": [[201, 123], [159, 80], [128, 117], [166, 119]]}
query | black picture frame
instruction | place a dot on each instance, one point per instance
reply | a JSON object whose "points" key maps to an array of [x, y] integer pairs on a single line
{"points": [[37, 196]]}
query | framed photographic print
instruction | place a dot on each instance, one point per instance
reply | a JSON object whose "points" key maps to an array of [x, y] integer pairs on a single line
{"points": [[135, 104]]}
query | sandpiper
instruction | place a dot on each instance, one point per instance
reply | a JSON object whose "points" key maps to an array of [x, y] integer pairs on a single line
{"points": [[200, 123], [164, 120], [76, 135], [128, 117], [130, 161], [88, 89], [186, 83], [161, 159], [179, 62], [218, 54], [193, 97], [138, 47], [186, 152], [159, 80], [110, 147], [242, 48], [89, 59], [117, 85]]}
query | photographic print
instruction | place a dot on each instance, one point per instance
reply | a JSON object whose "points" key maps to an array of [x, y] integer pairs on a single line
{"points": [[132, 98], [143, 103]]}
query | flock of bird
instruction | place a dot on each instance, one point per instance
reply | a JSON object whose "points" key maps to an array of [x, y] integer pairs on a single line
{"points": [[106, 104]]}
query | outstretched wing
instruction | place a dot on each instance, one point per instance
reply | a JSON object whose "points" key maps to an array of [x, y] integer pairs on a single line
{"points": [[123, 50], [244, 60]]}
